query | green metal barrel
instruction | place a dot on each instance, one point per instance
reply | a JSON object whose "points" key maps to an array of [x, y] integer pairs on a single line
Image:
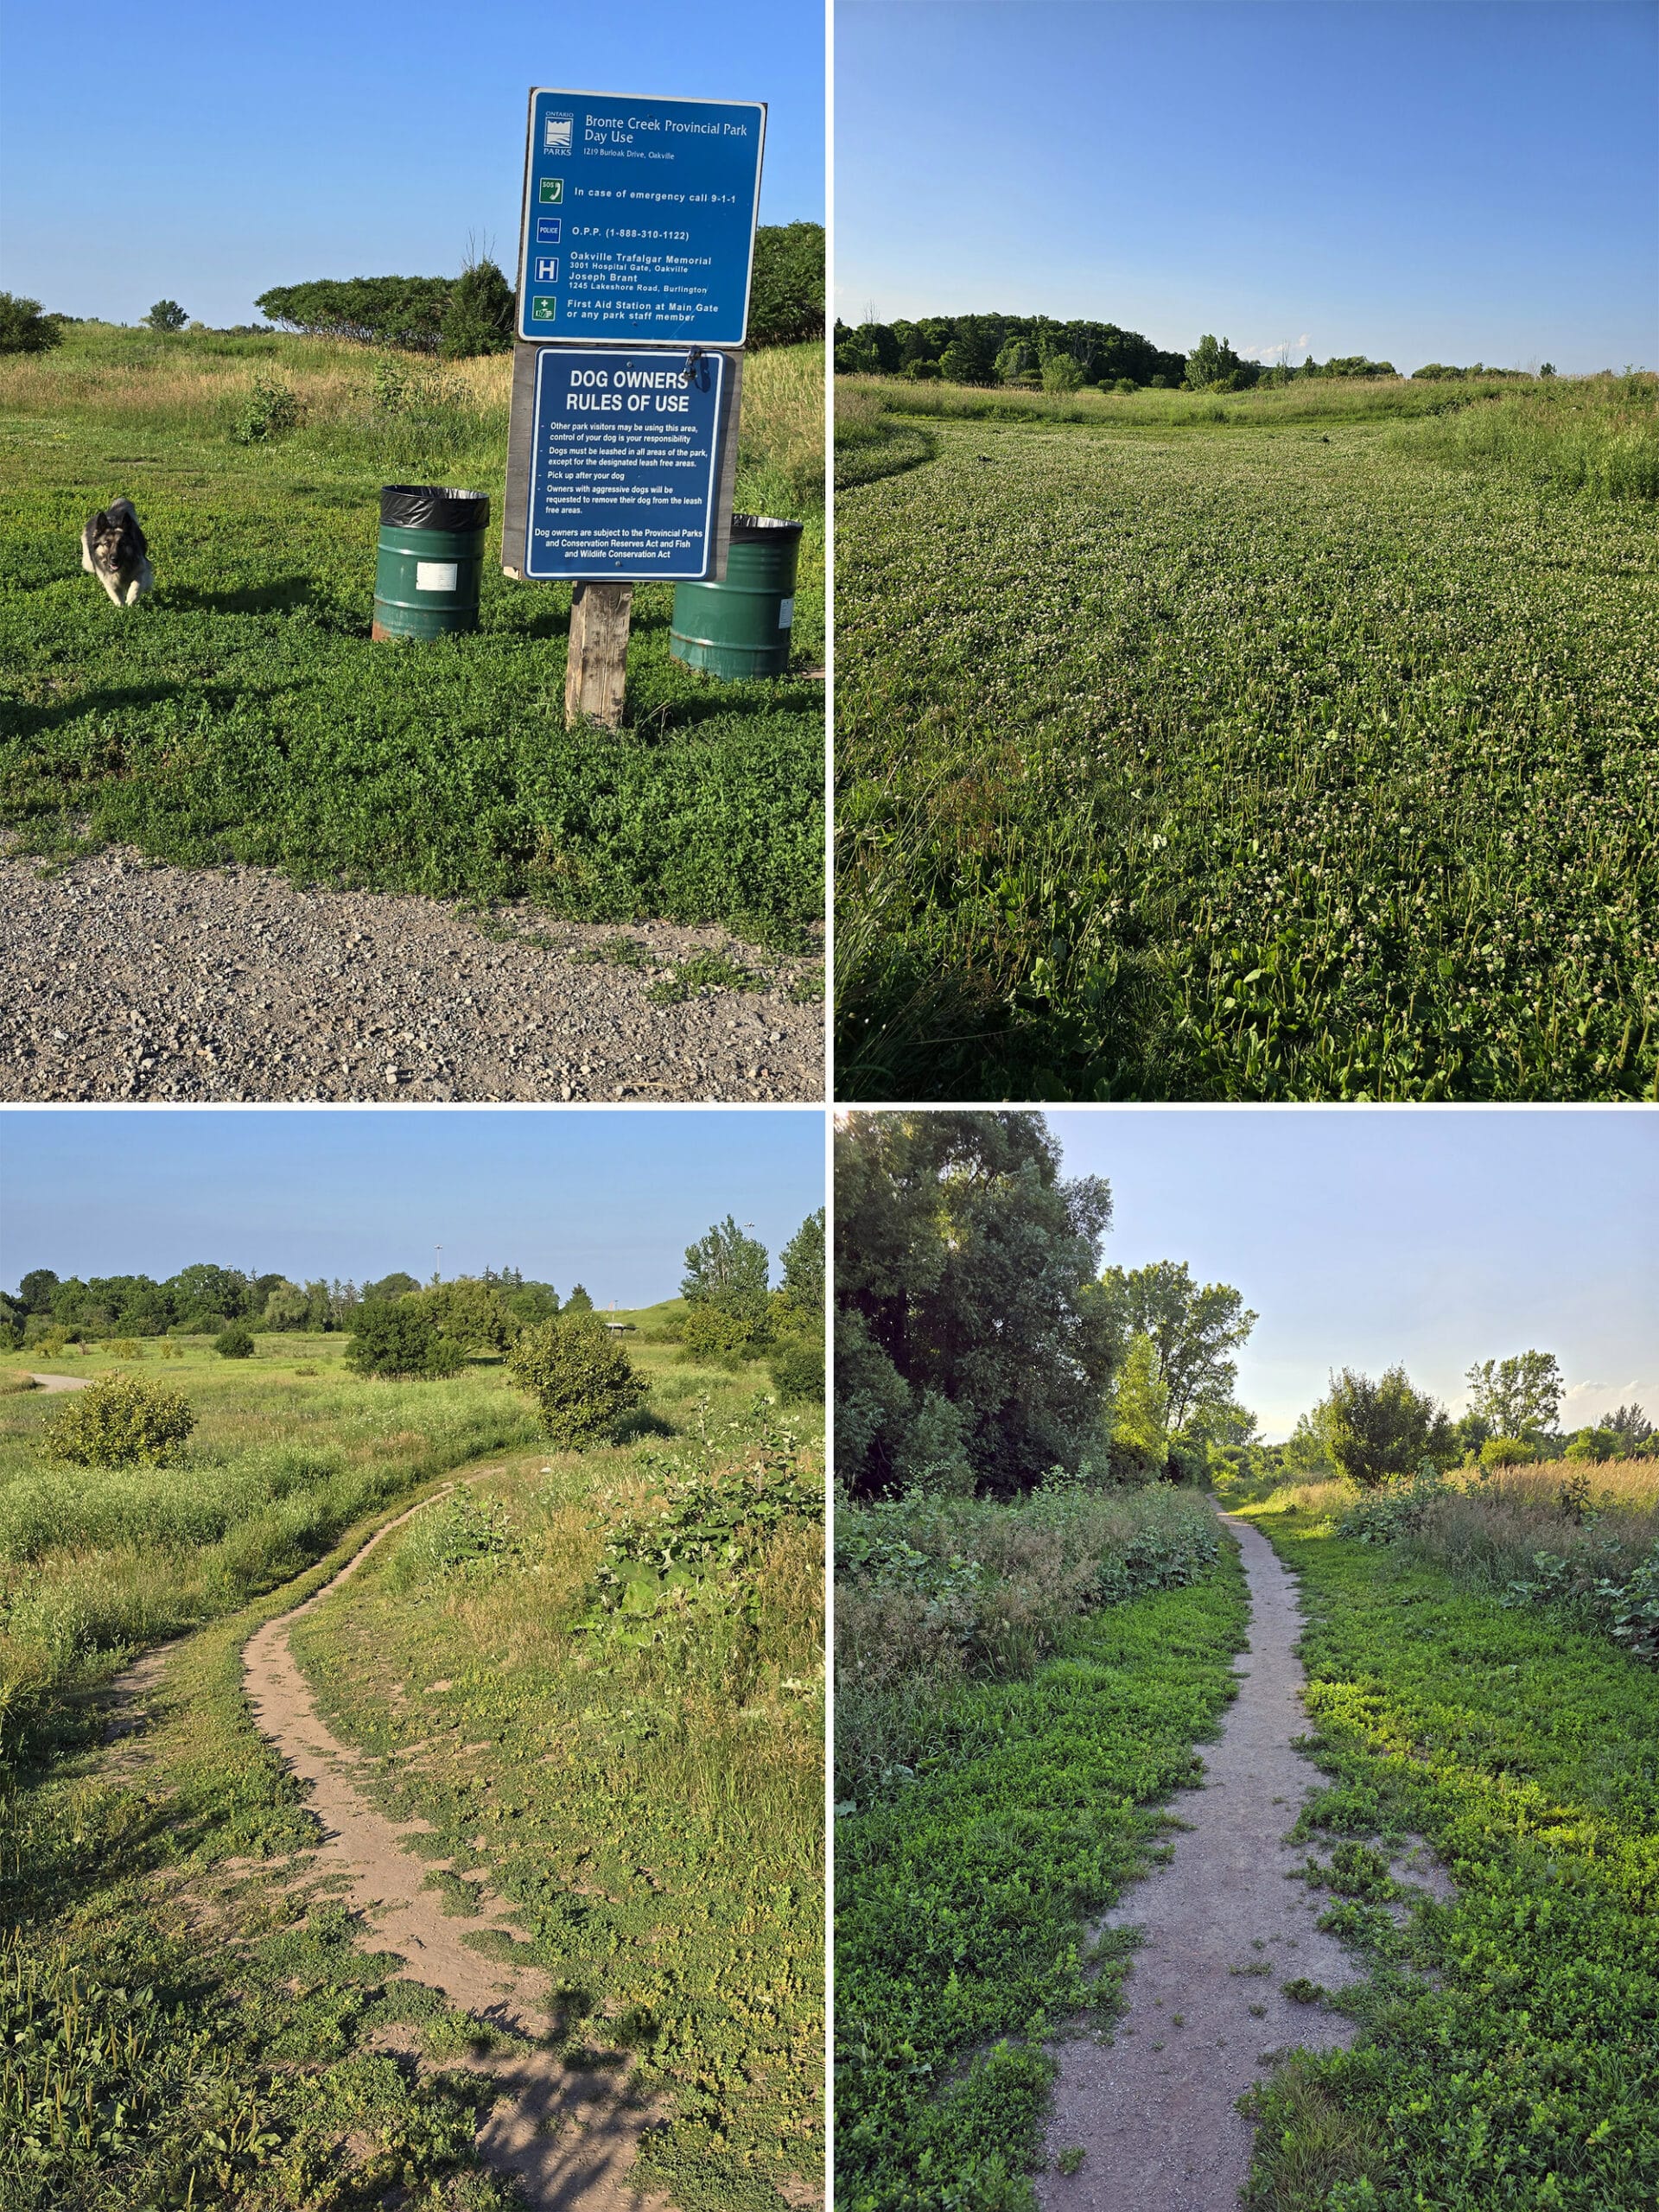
{"points": [[741, 628], [431, 556]]}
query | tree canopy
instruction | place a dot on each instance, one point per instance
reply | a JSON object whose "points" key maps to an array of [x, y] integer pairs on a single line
{"points": [[1517, 1397], [1192, 1331], [786, 298], [1378, 1431], [973, 1344], [987, 349], [25, 328], [726, 1264]]}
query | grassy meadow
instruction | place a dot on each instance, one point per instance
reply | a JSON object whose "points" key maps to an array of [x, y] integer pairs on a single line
{"points": [[1461, 1691], [242, 714], [1275, 746], [1019, 1691], [644, 1785]]}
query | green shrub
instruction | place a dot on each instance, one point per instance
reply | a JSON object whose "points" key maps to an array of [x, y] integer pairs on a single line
{"points": [[125, 1348], [234, 1343], [723, 1330], [271, 410], [402, 1340], [797, 1371], [1508, 1451], [24, 329], [787, 290], [478, 314], [124, 1421], [582, 1379], [460, 1535]]}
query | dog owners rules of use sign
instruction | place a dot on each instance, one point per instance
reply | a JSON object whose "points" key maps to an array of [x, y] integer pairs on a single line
{"points": [[638, 220], [624, 464]]}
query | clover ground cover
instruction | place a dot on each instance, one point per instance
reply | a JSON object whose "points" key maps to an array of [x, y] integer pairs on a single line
{"points": [[983, 1822], [241, 713], [1255, 759], [1510, 2055]]}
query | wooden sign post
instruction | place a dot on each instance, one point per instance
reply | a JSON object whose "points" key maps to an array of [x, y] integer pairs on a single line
{"points": [[597, 665]]}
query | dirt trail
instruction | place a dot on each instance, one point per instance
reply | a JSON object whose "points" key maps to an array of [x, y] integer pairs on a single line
{"points": [[567, 2138], [63, 1381], [1153, 2110]]}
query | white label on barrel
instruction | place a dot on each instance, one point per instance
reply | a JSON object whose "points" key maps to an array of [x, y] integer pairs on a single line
{"points": [[436, 575], [786, 613]]}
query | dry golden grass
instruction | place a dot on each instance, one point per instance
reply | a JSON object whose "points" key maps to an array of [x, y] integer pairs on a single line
{"points": [[198, 385]]}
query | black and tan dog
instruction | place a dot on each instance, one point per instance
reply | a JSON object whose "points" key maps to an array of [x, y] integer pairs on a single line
{"points": [[112, 548]]}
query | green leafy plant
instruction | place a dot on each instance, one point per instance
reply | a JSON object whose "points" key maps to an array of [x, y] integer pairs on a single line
{"points": [[402, 1337], [717, 1504], [271, 410], [234, 1343], [582, 1379], [121, 1420]]}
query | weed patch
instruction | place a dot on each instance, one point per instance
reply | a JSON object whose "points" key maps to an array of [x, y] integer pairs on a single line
{"points": [[1237, 762], [1510, 2060], [968, 1872]]}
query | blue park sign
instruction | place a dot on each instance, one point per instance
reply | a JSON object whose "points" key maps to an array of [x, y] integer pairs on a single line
{"points": [[624, 464], [638, 220]]}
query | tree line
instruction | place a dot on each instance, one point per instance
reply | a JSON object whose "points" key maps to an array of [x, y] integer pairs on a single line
{"points": [[1382, 1429], [473, 312], [204, 1300], [401, 1329], [980, 1344], [1037, 353]]}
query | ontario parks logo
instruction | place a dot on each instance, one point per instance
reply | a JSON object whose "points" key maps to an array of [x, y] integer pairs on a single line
{"points": [[557, 133]]}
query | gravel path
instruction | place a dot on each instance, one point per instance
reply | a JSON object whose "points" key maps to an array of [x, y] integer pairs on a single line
{"points": [[1154, 2109], [567, 2139], [63, 1381], [121, 979]]}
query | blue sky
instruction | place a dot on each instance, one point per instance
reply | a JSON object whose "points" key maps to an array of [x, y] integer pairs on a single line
{"points": [[610, 1200], [202, 152], [1412, 180], [1364, 1236]]}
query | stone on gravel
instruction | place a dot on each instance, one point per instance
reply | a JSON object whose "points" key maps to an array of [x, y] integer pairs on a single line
{"points": [[127, 981]]}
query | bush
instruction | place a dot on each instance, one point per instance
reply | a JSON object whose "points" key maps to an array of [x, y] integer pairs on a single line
{"points": [[582, 1379], [1061, 373], [787, 294], [797, 1371], [24, 329], [1508, 1451], [726, 1330], [126, 1348], [124, 1421], [401, 1341], [234, 1343], [478, 316], [271, 410], [167, 315]]}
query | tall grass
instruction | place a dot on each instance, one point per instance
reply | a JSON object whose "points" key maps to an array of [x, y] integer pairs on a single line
{"points": [[1598, 436], [1316, 400], [95, 1563], [359, 401], [664, 1778], [932, 1593]]}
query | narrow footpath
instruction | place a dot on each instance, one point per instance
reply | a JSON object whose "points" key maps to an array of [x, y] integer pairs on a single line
{"points": [[1152, 2110], [567, 2138]]}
